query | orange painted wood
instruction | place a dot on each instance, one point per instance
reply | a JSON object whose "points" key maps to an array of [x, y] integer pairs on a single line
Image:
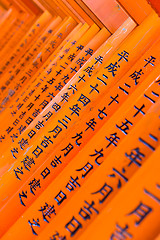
{"points": [[11, 174], [155, 4], [92, 193], [116, 158], [144, 187], [82, 105], [137, 10], [109, 12]]}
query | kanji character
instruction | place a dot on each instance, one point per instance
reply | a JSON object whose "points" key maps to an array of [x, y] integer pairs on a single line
{"points": [[91, 124], [81, 78], [31, 92], [13, 113], [65, 78], [30, 70], [150, 60], [113, 139], [114, 99], [48, 49], [73, 69], [22, 143], [47, 211], [73, 88], [78, 136], [65, 97], [139, 110], [13, 151], [62, 67], [31, 133], [99, 154], [17, 71], [112, 68], [18, 171], [61, 57], [59, 86], [49, 71], [141, 211], [67, 149], [73, 226], [124, 127], [30, 106], [56, 106], [19, 106], [101, 113], [25, 99], [84, 100], [44, 88], [50, 31], [45, 172], [21, 129], [46, 141], [51, 81], [48, 115], [151, 99], [27, 162], [89, 52], [121, 233], [151, 195], [99, 59], [123, 55], [39, 125], [75, 109], [80, 47], [72, 184], [86, 211], [135, 157], [36, 112], [120, 175], [87, 168], [44, 104], [73, 43], [56, 161], [14, 136], [89, 70], [37, 151], [148, 144], [3, 88], [64, 121], [54, 237], [24, 195], [27, 58], [71, 57], [66, 50], [35, 65], [105, 191], [104, 76], [9, 129], [60, 197], [22, 115], [56, 130], [3, 137], [34, 223], [29, 120], [136, 75], [33, 185], [94, 88], [81, 61]]}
